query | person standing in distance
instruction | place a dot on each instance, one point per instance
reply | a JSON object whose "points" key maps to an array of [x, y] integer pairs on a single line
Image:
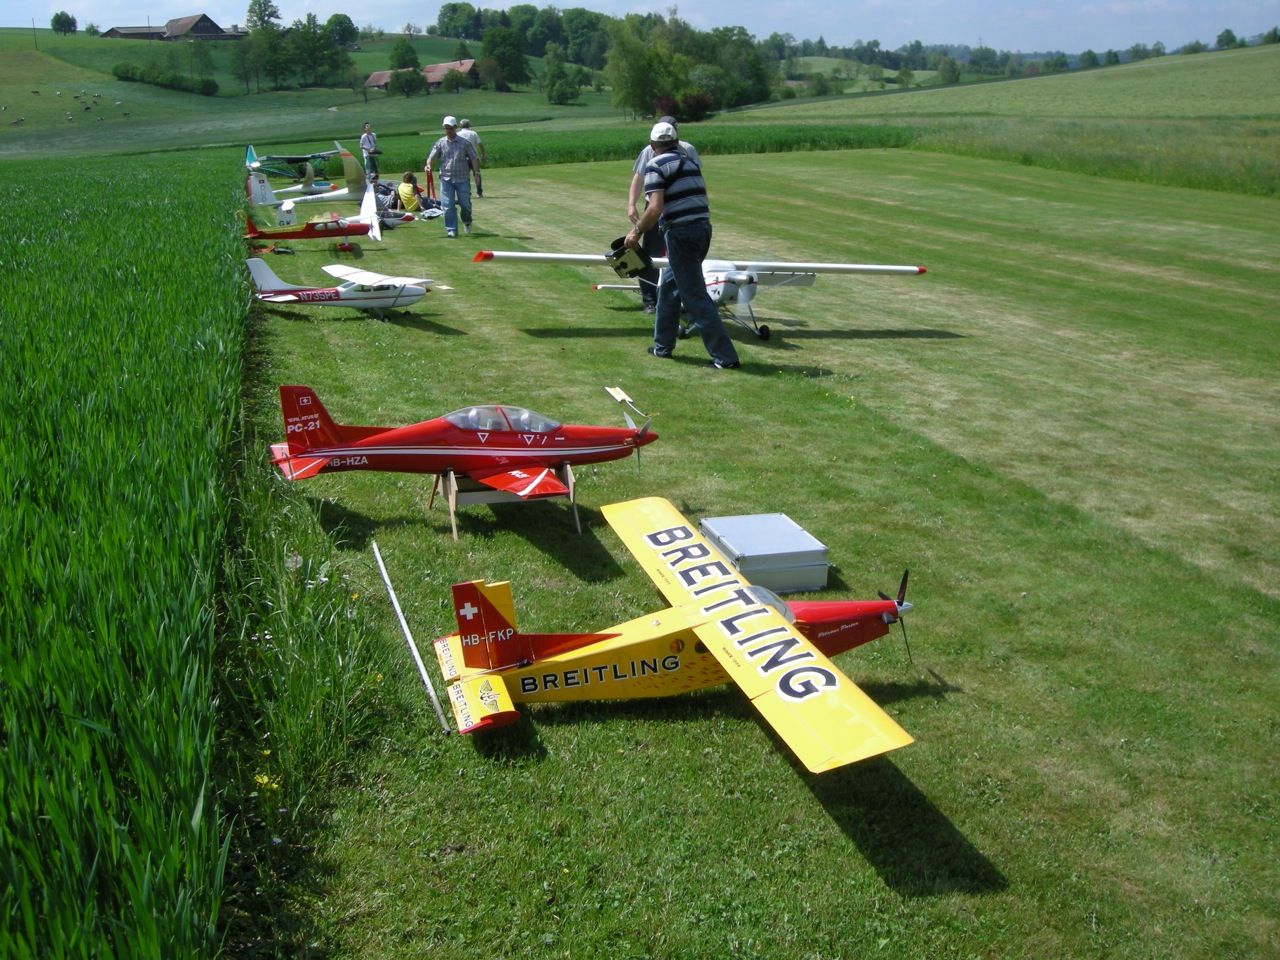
{"points": [[652, 242], [465, 131], [369, 151], [677, 196], [457, 160]]}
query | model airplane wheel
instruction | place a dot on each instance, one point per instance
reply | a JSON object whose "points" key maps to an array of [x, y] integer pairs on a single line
{"points": [[764, 332], [683, 333]]}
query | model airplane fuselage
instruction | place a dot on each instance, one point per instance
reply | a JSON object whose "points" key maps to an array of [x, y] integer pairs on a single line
{"points": [[506, 448], [731, 284], [721, 629], [361, 290], [317, 228]]}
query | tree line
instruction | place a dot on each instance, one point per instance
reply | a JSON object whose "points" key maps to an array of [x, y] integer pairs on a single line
{"points": [[650, 62]]}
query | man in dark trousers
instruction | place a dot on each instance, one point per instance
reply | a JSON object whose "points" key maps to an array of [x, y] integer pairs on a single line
{"points": [[651, 240], [677, 202]]}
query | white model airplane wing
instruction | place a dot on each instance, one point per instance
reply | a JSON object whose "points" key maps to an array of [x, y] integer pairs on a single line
{"points": [[578, 259], [369, 213], [823, 716], [782, 269], [369, 278]]}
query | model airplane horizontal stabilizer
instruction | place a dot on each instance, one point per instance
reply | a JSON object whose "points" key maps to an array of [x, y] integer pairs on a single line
{"points": [[481, 703]]}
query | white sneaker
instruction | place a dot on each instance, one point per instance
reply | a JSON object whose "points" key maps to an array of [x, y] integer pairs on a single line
{"points": [[466, 228], [451, 234]]}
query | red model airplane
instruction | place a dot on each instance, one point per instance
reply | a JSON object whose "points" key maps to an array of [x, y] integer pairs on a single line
{"points": [[317, 228], [511, 451]]}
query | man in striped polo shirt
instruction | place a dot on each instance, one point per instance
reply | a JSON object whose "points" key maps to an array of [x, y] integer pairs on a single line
{"points": [[677, 202]]}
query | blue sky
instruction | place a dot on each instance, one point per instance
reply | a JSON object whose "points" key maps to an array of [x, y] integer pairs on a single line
{"points": [[1031, 25]]}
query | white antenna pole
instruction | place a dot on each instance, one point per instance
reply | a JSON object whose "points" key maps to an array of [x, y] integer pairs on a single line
{"points": [[413, 647]]}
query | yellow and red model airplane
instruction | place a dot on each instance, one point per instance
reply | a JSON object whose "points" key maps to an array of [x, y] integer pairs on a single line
{"points": [[719, 629]]}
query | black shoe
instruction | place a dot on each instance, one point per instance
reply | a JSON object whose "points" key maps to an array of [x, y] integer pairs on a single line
{"points": [[650, 308], [725, 366], [655, 352]]}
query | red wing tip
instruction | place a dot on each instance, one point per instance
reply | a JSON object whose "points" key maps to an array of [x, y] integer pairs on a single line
{"points": [[482, 256], [920, 270]]}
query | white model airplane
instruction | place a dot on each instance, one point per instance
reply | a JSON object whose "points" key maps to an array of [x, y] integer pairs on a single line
{"points": [[732, 284], [261, 193], [362, 290]]}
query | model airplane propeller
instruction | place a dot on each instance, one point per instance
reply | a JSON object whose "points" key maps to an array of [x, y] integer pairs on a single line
{"points": [[903, 607], [362, 290], [502, 449], [720, 629], [731, 284]]}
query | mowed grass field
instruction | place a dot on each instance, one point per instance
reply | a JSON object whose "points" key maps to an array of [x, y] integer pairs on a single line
{"points": [[1066, 429]]}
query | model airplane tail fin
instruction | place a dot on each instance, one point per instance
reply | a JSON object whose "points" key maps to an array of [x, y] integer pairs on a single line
{"points": [[251, 229], [352, 171], [265, 279], [259, 191], [307, 424], [250, 157], [487, 626]]}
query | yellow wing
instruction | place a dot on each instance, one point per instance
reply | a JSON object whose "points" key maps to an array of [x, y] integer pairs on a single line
{"points": [[820, 713]]}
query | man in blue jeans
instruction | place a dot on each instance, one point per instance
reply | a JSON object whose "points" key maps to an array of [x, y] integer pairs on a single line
{"points": [[457, 160], [677, 200]]}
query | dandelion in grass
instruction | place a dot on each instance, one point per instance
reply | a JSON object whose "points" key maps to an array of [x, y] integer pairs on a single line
{"points": [[265, 782]]}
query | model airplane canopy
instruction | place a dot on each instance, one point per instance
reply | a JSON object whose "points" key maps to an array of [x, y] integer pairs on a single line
{"points": [[731, 284]]}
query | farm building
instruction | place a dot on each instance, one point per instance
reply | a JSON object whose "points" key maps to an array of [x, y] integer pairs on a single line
{"points": [[197, 27], [433, 73]]}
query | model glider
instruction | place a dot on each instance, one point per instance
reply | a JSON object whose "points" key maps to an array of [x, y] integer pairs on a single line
{"points": [[294, 165], [361, 290], [720, 629], [506, 450], [731, 284], [310, 189]]}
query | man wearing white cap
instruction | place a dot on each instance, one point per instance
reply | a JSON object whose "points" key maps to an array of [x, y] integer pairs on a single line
{"points": [[457, 160], [651, 240], [677, 201]]}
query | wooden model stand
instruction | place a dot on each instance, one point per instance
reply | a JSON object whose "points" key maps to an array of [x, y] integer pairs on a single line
{"points": [[460, 491]]}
